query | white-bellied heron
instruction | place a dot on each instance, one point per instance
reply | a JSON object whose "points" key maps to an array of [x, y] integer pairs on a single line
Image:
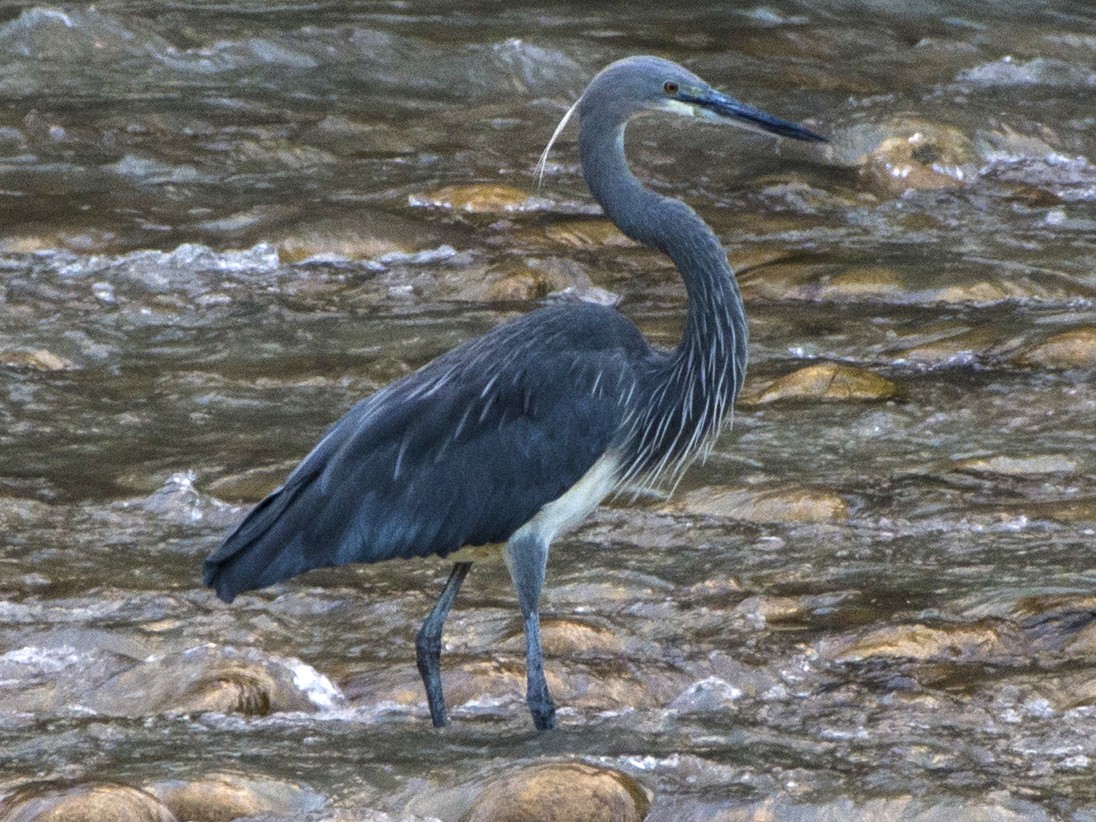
{"points": [[517, 435]]}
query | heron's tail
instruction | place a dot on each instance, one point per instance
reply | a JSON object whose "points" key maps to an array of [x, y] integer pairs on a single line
{"points": [[267, 547]]}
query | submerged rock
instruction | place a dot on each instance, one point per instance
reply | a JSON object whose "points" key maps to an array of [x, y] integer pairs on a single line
{"points": [[563, 792], [763, 505], [252, 484], [996, 807], [905, 153], [362, 235], [973, 642], [950, 343], [93, 802], [831, 382], [37, 360], [209, 678], [224, 797], [587, 233], [1001, 465], [1070, 349], [478, 198], [570, 637]]}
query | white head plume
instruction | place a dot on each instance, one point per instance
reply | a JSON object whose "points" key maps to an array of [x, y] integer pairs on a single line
{"points": [[544, 154]]}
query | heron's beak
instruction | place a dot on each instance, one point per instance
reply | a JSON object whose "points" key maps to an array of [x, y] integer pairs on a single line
{"points": [[712, 105]]}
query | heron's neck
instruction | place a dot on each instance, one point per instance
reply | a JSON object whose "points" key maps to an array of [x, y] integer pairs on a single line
{"points": [[716, 323]]}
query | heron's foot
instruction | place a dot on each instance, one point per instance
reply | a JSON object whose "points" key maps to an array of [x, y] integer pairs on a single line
{"points": [[428, 657], [428, 644], [543, 710]]}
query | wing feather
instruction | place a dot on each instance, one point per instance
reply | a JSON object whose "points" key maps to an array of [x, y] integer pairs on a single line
{"points": [[463, 452]]}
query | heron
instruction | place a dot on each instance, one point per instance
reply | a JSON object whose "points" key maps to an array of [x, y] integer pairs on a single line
{"points": [[514, 437]]}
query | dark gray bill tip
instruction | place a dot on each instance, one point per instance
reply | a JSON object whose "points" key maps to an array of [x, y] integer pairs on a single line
{"points": [[755, 119]]}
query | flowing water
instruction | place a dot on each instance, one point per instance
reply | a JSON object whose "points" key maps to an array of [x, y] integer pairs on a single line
{"points": [[223, 222]]}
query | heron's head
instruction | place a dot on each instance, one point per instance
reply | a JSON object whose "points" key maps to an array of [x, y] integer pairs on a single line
{"points": [[637, 84]]}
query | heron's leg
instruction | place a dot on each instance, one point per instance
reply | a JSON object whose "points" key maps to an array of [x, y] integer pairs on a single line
{"points": [[527, 557], [428, 643]]}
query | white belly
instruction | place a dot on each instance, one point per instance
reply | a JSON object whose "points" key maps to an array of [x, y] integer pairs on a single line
{"points": [[567, 511]]}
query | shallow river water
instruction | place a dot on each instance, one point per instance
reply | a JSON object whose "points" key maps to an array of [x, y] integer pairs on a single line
{"points": [[223, 222]]}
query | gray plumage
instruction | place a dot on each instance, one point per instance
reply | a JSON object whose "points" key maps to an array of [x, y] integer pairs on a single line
{"points": [[515, 435]]}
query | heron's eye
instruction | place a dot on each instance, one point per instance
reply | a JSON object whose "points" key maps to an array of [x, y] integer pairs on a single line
{"points": [[670, 87]]}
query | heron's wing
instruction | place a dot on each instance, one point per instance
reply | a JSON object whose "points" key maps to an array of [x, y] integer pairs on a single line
{"points": [[463, 452]]}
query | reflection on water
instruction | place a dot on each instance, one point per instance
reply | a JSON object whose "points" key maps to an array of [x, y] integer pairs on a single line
{"points": [[222, 223]]}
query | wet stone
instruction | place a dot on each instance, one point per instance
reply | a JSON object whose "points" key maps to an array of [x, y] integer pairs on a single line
{"points": [[906, 153], [973, 642], [1081, 509], [996, 807], [224, 797], [211, 679], [365, 235], [711, 694], [101, 802], [587, 234], [959, 345], [763, 505], [862, 282], [562, 792], [566, 637], [251, 485], [1034, 466], [481, 198], [38, 360], [1070, 349], [830, 382]]}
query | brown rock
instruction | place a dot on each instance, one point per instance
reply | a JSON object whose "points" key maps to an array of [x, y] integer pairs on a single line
{"points": [[764, 505], [250, 485], [959, 343], [862, 282], [1018, 466], [522, 285], [478, 198], [203, 679], [780, 281], [587, 233], [1082, 509], [224, 797], [910, 153], [565, 792], [38, 360], [1070, 349], [101, 802], [995, 807], [966, 643], [757, 256], [830, 382], [567, 637]]}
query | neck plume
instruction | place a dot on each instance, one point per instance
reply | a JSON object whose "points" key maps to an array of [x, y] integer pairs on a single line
{"points": [[698, 382]]}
